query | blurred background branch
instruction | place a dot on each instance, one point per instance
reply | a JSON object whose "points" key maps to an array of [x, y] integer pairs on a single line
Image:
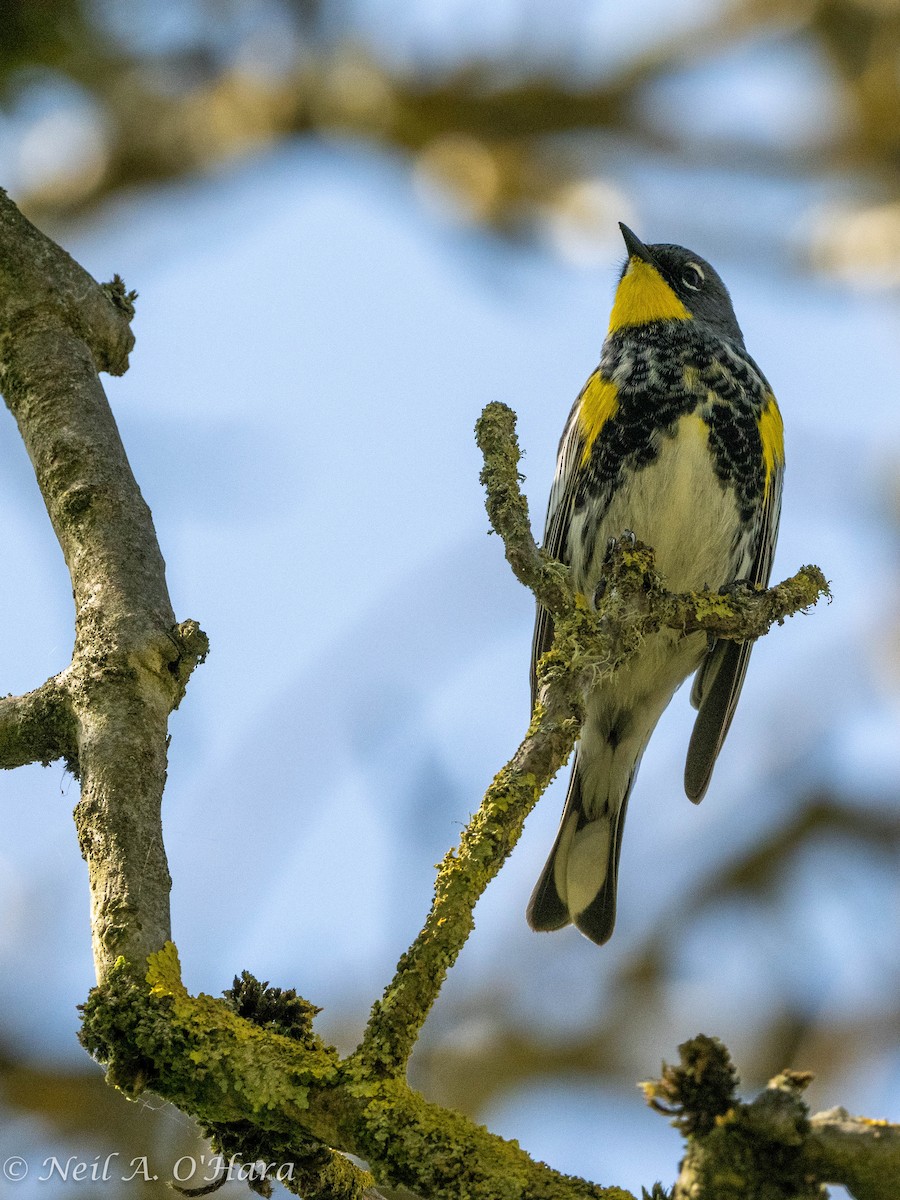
{"points": [[99, 96]]}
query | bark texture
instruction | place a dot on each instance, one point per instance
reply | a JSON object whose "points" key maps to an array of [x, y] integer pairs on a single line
{"points": [[107, 713]]}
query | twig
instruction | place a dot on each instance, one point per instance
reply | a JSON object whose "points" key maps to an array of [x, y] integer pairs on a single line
{"points": [[507, 509]]}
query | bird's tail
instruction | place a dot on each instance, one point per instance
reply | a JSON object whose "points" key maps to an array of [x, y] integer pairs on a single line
{"points": [[578, 883]]}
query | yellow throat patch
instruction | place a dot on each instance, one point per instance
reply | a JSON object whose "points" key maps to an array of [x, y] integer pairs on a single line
{"points": [[643, 295]]}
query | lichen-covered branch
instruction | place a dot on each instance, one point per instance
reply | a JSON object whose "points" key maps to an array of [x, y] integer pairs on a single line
{"points": [[588, 646], [507, 508], [107, 713], [769, 1148], [283, 1095], [742, 613], [858, 1152], [464, 874]]}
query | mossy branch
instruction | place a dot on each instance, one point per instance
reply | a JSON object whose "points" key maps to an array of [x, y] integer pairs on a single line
{"points": [[265, 1086], [507, 509], [589, 645], [770, 1148]]}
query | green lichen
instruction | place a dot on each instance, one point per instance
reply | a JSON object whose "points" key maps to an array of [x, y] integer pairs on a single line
{"points": [[280, 1010], [734, 1150], [442, 1155], [195, 1050], [733, 1163], [711, 606], [261, 1094]]}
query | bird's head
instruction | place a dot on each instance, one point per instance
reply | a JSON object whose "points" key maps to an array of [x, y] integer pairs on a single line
{"points": [[663, 282]]}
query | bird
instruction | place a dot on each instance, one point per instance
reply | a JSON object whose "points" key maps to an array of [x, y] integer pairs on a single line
{"points": [[677, 440]]}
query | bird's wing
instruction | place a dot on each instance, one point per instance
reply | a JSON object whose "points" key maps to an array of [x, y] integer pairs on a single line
{"points": [[559, 512], [717, 686]]}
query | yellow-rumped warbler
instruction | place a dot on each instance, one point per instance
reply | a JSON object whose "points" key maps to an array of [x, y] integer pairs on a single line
{"points": [[676, 438]]}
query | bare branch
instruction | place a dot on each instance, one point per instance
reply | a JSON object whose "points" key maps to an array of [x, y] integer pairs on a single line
{"points": [[58, 328]]}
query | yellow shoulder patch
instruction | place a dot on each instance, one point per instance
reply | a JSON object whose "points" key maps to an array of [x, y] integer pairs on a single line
{"points": [[599, 402], [771, 432], [643, 295]]}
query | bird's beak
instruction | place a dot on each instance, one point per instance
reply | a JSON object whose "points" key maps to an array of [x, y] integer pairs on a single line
{"points": [[636, 248]]}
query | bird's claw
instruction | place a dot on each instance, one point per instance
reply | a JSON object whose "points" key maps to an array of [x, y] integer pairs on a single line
{"points": [[626, 538]]}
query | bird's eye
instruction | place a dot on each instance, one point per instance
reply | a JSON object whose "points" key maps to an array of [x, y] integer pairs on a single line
{"points": [[692, 277]]}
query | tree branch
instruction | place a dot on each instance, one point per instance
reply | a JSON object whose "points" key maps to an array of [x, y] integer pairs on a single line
{"points": [[464, 874], [58, 328], [277, 1091], [507, 509], [770, 1147], [861, 1154], [37, 727]]}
